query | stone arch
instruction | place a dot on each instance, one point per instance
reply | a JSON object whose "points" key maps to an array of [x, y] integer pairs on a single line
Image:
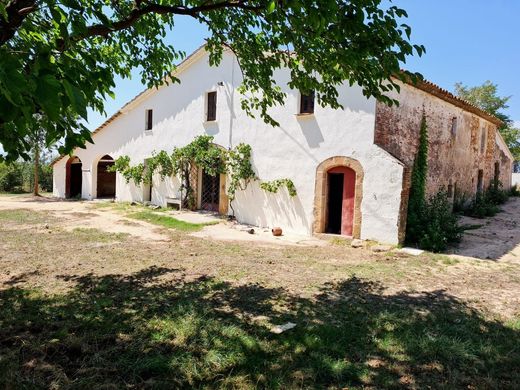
{"points": [[105, 182], [73, 177], [321, 192]]}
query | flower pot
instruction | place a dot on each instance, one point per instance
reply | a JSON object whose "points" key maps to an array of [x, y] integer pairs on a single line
{"points": [[277, 231]]}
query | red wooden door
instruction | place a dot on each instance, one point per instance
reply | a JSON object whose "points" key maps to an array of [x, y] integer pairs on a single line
{"points": [[349, 193]]}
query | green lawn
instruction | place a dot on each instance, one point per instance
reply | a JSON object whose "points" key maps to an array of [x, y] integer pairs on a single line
{"points": [[91, 310], [167, 221]]}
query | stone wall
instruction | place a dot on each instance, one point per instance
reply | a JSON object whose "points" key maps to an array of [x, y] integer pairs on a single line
{"points": [[503, 158], [461, 143]]}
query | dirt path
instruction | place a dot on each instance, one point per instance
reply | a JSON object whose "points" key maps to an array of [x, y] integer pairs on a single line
{"points": [[79, 214], [498, 239], [37, 253]]}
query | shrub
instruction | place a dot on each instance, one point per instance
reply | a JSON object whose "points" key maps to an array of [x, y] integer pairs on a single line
{"points": [[482, 206], [11, 178], [438, 225], [496, 194], [461, 201], [514, 191]]}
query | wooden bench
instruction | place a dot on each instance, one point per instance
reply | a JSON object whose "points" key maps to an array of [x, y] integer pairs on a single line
{"points": [[172, 201]]}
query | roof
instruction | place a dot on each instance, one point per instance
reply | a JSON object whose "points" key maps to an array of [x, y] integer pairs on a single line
{"points": [[441, 93], [424, 85], [143, 94]]}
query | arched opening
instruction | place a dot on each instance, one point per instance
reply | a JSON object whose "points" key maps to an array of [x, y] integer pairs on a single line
{"points": [[338, 195], [73, 177], [340, 201], [106, 181]]}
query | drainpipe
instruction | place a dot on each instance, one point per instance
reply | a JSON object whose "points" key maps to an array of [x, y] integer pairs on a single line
{"points": [[232, 100]]}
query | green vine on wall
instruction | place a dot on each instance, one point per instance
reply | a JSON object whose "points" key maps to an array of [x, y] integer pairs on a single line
{"points": [[275, 185], [417, 199], [240, 169], [201, 153]]}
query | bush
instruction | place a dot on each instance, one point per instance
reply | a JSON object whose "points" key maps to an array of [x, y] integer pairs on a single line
{"points": [[514, 191], [481, 207], [11, 177], [461, 201], [438, 225], [496, 194], [18, 177]]}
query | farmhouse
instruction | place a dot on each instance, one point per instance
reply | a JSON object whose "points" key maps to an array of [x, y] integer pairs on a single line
{"points": [[351, 167]]}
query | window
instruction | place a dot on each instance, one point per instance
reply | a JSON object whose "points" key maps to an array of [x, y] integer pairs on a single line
{"points": [[483, 137], [496, 178], [307, 103], [450, 190], [211, 109], [480, 181], [453, 127], [148, 119]]}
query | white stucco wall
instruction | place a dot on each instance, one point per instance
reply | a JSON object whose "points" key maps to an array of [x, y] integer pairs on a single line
{"points": [[292, 150], [516, 179]]}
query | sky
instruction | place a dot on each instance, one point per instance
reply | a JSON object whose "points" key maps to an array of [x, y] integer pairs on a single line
{"points": [[468, 41]]}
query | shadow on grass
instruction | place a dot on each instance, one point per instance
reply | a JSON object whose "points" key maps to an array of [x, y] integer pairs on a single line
{"points": [[159, 328]]}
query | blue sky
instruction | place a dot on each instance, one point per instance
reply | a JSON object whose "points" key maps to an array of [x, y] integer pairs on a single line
{"points": [[470, 41]]}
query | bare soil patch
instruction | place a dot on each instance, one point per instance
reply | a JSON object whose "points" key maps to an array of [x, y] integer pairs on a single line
{"points": [[86, 303]]}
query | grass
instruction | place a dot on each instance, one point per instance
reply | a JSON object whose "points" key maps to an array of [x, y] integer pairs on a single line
{"points": [[196, 313], [116, 331], [167, 222], [95, 235], [154, 216]]}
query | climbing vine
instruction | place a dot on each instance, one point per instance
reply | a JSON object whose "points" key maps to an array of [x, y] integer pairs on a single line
{"points": [[417, 199], [240, 169], [275, 185], [431, 223], [201, 153]]}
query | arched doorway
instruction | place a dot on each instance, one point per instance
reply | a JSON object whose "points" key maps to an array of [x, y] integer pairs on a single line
{"points": [[338, 195], [340, 201], [106, 181], [73, 177]]}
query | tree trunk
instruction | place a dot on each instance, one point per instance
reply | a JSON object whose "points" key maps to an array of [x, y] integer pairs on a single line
{"points": [[36, 182]]}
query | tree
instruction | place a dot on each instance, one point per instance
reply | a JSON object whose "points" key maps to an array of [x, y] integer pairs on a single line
{"points": [[36, 142], [59, 57], [486, 97]]}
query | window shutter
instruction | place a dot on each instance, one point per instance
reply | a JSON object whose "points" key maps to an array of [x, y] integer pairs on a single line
{"points": [[149, 119], [307, 103], [212, 106]]}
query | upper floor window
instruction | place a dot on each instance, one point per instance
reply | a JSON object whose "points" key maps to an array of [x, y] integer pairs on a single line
{"points": [[454, 127], [211, 106], [307, 103], [148, 120], [483, 139]]}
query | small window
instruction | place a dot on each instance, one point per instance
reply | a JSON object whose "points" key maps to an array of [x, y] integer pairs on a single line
{"points": [[307, 103], [211, 111], [148, 119], [496, 177], [450, 190], [483, 138], [453, 127], [480, 181]]}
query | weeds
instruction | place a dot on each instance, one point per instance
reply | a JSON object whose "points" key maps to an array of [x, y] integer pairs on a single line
{"points": [[168, 222]]}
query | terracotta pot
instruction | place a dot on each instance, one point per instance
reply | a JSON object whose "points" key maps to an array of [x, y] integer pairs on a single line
{"points": [[277, 231]]}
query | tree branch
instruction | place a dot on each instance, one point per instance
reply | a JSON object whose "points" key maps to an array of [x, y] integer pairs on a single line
{"points": [[137, 13], [17, 11]]}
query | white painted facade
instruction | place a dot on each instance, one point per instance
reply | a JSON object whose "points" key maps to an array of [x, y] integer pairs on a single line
{"points": [[292, 150]]}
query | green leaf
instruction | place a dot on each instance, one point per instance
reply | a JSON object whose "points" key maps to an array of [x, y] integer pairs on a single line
{"points": [[271, 6], [48, 91], [77, 99]]}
